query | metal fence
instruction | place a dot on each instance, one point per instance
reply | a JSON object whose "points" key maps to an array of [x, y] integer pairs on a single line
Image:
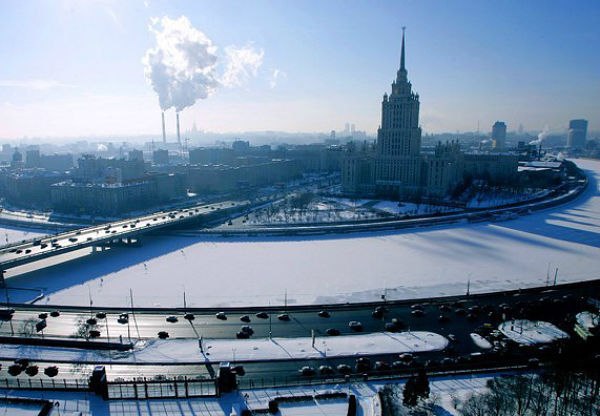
{"points": [[158, 389], [36, 383]]}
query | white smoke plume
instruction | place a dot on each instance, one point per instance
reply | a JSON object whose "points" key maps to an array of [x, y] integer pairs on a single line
{"points": [[242, 63], [182, 68]]}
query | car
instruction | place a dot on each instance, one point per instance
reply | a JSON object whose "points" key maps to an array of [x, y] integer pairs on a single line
{"points": [[15, 369], [283, 317], [378, 312], [247, 329], [163, 335], [73, 239], [172, 319], [189, 316], [242, 335], [32, 370], [40, 325], [325, 370], [245, 318], [55, 313], [43, 245], [19, 251], [262, 315], [363, 364], [406, 357], [94, 333], [332, 332], [123, 319], [381, 366], [447, 361], [324, 314], [100, 315], [443, 318], [43, 315], [239, 370], [355, 326], [221, 315], [307, 371], [344, 369], [91, 321], [417, 313], [27, 251]]}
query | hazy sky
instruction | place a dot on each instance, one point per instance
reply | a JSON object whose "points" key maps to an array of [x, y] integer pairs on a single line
{"points": [[74, 67]]}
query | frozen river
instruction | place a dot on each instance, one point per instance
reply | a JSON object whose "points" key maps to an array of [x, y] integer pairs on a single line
{"points": [[216, 271]]}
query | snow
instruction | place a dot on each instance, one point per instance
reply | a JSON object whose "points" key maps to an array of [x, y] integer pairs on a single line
{"points": [[480, 341], [527, 332], [217, 350], [587, 320], [10, 234], [219, 271], [14, 409]]}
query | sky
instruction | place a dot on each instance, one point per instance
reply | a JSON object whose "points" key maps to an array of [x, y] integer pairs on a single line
{"points": [[76, 68]]}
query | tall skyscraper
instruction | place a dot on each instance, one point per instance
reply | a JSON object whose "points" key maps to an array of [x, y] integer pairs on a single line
{"points": [[398, 161], [499, 135], [396, 167], [577, 134]]}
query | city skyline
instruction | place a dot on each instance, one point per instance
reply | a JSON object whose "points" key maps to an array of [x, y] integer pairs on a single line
{"points": [[76, 68]]}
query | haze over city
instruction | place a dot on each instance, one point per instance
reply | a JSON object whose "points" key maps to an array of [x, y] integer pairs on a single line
{"points": [[344, 208], [76, 67]]}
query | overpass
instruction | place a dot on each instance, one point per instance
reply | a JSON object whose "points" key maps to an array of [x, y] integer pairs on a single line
{"points": [[122, 232]]}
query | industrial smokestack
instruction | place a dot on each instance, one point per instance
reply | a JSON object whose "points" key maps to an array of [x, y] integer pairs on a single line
{"points": [[164, 132], [178, 136]]}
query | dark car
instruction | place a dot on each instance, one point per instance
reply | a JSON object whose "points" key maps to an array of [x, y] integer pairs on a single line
{"points": [[332, 332], [355, 326], [307, 371]]}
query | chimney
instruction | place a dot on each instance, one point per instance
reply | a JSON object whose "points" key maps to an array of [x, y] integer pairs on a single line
{"points": [[178, 136], [163, 124]]}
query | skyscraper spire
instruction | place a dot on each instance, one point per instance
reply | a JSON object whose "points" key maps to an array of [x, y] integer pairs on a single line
{"points": [[402, 67]]}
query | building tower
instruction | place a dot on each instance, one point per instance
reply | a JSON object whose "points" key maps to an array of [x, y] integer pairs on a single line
{"points": [[577, 134], [398, 160], [499, 135]]}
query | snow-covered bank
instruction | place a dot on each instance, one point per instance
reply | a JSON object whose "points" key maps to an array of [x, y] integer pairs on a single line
{"points": [[10, 234], [216, 350], [527, 332], [216, 271]]}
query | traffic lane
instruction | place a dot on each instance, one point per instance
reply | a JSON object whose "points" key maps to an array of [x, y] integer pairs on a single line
{"points": [[300, 324]]}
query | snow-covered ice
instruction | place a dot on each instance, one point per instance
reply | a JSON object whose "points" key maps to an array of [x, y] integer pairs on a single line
{"points": [[528, 332], [432, 261], [216, 350], [9, 234], [588, 320]]}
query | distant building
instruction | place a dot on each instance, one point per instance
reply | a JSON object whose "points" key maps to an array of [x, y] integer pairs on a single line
{"points": [[499, 136], [101, 170], [160, 157], [241, 146], [57, 162], [577, 134], [28, 187], [397, 168], [32, 158], [136, 154], [212, 156]]}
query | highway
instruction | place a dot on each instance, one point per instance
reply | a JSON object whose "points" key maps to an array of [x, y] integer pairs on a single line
{"points": [[463, 315], [107, 234]]}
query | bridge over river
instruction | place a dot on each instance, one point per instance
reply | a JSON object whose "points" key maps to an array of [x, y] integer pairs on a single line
{"points": [[123, 232]]}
